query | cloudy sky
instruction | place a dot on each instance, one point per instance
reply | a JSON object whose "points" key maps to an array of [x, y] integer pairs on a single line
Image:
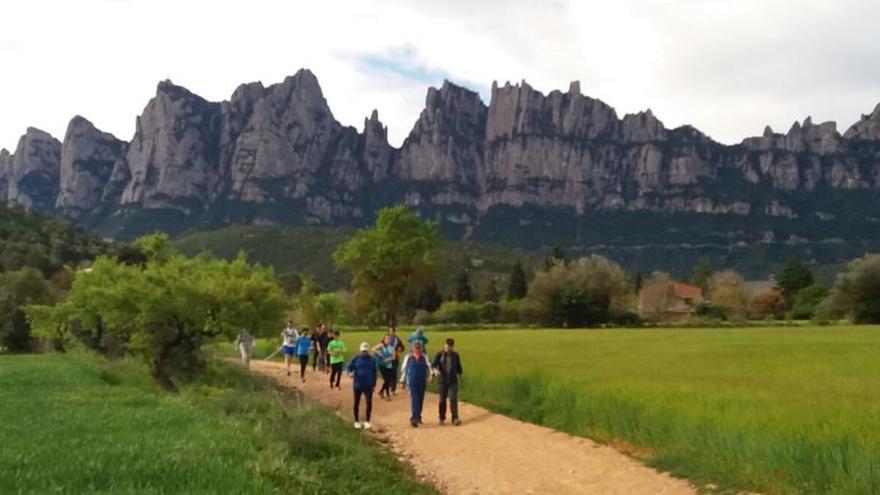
{"points": [[729, 67]]}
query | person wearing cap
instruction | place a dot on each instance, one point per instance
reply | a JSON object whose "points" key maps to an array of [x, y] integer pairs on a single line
{"points": [[447, 366], [416, 374], [362, 370]]}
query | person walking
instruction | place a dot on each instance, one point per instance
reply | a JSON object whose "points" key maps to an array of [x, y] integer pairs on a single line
{"points": [[315, 351], [416, 375], [288, 343], [384, 353], [244, 342], [447, 366], [336, 349], [324, 353], [419, 336], [398, 350], [303, 346], [362, 370]]}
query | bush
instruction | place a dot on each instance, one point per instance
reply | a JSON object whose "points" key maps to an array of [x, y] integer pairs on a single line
{"points": [[458, 312], [807, 300], [511, 311], [423, 317]]}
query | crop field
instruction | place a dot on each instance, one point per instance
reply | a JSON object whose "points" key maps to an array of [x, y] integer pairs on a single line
{"points": [[775, 410], [75, 424]]}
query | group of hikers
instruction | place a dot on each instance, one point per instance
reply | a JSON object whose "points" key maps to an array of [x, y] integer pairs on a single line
{"points": [[415, 372]]}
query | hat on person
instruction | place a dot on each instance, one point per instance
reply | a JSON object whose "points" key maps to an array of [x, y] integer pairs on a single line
{"points": [[365, 346]]}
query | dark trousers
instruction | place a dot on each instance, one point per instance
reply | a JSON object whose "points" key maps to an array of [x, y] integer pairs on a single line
{"points": [[387, 380], [335, 373], [395, 367], [416, 401], [368, 395], [449, 391], [315, 355], [303, 364]]}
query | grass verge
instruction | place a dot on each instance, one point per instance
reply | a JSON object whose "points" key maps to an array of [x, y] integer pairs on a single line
{"points": [[77, 424]]}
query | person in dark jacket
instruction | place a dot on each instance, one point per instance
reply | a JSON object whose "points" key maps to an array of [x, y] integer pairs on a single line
{"points": [[416, 374], [447, 366], [362, 370]]}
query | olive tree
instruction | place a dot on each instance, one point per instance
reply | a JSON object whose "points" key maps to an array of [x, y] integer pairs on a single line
{"points": [[166, 309]]}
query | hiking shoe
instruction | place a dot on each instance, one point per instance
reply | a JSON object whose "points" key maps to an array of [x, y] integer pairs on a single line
{"points": [[442, 422], [415, 424], [367, 425], [456, 422], [357, 425], [288, 372]]}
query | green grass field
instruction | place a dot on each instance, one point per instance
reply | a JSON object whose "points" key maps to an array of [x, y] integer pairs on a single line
{"points": [[776, 410], [73, 424]]}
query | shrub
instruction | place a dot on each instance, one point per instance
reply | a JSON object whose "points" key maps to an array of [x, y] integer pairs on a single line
{"points": [[807, 300], [511, 311], [458, 312]]}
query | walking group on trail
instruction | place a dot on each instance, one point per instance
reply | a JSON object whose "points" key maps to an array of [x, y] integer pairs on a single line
{"points": [[383, 360]]}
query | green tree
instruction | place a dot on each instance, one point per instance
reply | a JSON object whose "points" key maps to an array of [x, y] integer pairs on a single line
{"points": [[463, 290], [856, 292], [492, 293], [18, 289], [390, 261], [517, 285], [430, 299], [582, 292], [701, 273], [304, 302], [807, 300], [793, 277], [331, 309], [167, 309]]}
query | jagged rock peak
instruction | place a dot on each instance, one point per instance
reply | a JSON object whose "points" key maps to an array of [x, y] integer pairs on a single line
{"points": [[867, 128], [522, 110], [642, 126], [768, 131], [31, 175], [87, 160], [574, 88]]}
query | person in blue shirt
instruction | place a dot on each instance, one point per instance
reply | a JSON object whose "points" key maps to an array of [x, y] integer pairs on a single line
{"points": [[303, 345], [418, 336], [416, 374], [362, 370], [384, 352]]}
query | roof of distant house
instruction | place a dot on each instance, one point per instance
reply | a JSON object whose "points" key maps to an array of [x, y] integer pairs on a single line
{"points": [[687, 291]]}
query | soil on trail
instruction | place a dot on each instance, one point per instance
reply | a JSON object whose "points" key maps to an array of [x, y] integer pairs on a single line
{"points": [[489, 453]]}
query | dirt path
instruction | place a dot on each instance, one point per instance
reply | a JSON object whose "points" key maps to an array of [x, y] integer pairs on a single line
{"points": [[491, 453]]}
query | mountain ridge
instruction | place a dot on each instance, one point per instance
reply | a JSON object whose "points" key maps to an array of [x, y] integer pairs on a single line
{"points": [[528, 169]]}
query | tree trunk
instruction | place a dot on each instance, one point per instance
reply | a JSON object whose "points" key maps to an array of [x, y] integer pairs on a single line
{"points": [[161, 376]]}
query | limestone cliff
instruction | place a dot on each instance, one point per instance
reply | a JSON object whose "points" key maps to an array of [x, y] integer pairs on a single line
{"points": [[563, 164]]}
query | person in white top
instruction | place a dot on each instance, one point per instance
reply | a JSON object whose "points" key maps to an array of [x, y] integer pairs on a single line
{"points": [[245, 344], [288, 343]]}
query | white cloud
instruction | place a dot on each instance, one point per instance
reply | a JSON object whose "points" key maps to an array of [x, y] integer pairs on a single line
{"points": [[726, 67]]}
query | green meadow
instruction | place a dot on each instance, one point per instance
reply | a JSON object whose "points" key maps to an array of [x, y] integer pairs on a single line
{"points": [[77, 424], [775, 410]]}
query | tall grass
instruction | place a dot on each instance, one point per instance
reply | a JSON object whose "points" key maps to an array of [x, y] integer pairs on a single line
{"points": [[775, 410], [74, 424]]}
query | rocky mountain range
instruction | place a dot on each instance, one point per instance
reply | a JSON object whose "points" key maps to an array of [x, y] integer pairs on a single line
{"points": [[528, 170]]}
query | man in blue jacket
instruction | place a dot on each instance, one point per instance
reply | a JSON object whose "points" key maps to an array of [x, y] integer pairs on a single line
{"points": [[362, 370], [416, 373]]}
